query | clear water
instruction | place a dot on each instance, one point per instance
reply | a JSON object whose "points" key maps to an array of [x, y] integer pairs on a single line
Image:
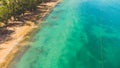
{"points": [[77, 34]]}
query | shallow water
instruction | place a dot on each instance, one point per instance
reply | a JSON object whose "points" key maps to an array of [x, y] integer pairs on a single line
{"points": [[77, 34]]}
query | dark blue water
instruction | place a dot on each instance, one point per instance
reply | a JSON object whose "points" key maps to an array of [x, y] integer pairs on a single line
{"points": [[77, 34]]}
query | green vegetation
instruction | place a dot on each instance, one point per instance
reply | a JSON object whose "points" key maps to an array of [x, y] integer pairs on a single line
{"points": [[14, 8]]}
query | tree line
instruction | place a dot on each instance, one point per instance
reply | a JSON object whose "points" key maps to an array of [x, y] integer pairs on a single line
{"points": [[14, 8]]}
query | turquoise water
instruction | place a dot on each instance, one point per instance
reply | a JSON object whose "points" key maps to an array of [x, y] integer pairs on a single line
{"points": [[77, 34]]}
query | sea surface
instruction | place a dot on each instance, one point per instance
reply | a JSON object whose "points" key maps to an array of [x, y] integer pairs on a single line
{"points": [[77, 34]]}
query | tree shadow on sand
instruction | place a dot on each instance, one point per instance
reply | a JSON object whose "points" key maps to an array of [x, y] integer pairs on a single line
{"points": [[5, 34]]}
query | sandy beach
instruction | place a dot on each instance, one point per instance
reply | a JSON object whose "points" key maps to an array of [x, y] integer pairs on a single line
{"points": [[10, 48]]}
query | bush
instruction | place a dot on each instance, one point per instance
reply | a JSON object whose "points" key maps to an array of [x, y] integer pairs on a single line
{"points": [[4, 14], [14, 8]]}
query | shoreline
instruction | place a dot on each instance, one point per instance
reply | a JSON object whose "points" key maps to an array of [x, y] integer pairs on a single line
{"points": [[9, 49]]}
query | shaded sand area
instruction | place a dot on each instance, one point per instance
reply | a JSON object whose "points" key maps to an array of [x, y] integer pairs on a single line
{"points": [[9, 48]]}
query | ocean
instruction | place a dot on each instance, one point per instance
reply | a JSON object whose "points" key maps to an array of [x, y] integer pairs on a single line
{"points": [[77, 34]]}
